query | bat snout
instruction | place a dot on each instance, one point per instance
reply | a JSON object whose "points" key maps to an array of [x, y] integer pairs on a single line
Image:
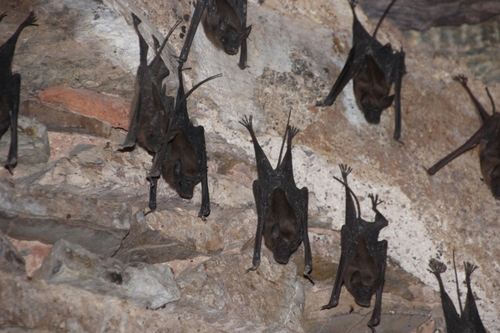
{"points": [[372, 115]]}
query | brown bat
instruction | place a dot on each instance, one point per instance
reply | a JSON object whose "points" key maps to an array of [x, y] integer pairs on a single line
{"points": [[373, 67], [468, 321], [10, 89], [224, 22], [281, 206], [488, 136], [363, 259]]}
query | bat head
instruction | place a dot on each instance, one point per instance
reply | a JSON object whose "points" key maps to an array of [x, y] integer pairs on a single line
{"points": [[231, 38], [373, 107], [361, 291], [184, 184], [282, 248]]}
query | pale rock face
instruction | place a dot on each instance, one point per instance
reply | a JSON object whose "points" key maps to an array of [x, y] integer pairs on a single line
{"points": [[296, 51]]}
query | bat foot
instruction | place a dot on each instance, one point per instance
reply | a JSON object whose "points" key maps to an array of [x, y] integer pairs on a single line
{"points": [[253, 268], [436, 267], [462, 79], [309, 277], [330, 305], [324, 103], [375, 201], [469, 268], [247, 122]]}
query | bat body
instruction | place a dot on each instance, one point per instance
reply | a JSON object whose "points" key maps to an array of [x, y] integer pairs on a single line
{"points": [[281, 206], [10, 89], [184, 157], [374, 68], [363, 258], [224, 23], [468, 321], [148, 124], [488, 137]]}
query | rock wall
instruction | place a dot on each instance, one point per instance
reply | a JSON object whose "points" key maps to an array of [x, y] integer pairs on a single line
{"points": [[296, 50]]}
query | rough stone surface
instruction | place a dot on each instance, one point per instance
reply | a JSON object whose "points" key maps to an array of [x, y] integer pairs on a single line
{"points": [[147, 285], [49, 214], [422, 14], [11, 261], [113, 110], [33, 142], [296, 51]]}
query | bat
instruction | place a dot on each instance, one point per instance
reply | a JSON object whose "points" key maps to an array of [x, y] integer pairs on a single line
{"points": [[281, 206], [224, 23], [10, 89], [468, 321], [363, 257], [487, 136], [183, 159], [373, 67], [148, 122]]}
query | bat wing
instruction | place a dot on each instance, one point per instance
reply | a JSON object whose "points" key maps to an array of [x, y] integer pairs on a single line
{"points": [[13, 106], [483, 133], [345, 258], [351, 67], [262, 210], [303, 202], [135, 109]]}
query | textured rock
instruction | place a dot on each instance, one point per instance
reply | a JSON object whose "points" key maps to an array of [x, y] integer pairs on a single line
{"points": [[422, 14], [113, 110], [33, 142], [296, 50], [49, 214], [11, 261], [149, 286]]}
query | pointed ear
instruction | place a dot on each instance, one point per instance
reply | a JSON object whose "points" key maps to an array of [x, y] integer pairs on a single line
{"points": [[222, 25], [247, 32], [177, 168], [387, 102]]}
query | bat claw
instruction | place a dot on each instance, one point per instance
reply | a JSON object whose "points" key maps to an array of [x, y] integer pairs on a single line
{"points": [[247, 122], [375, 200], [436, 267], [469, 268], [462, 79], [332, 304], [253, 268]]}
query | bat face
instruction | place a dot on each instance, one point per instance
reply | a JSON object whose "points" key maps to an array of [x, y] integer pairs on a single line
{"points": [[223, 25], [282, 232], [361, 278], [371, 90]]}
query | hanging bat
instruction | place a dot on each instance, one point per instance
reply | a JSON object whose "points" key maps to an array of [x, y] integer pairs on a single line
{"points": [[488, 136], [363, 259], [10, 89], [148, 122], [224, 23], [468, 321], [373, 67], [182, 160], [281, 206]]}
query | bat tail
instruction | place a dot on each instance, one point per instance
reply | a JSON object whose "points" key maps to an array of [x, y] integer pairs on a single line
{"points": [[284, 138], [383, 17], [457, 284], [491, 100], [171, 31]]}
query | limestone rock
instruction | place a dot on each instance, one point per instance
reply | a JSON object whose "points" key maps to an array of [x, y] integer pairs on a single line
{"points": [[11, 261], [150, 286], [49, 214], [33, 142]]}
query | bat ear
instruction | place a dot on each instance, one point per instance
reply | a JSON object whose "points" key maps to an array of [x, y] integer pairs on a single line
{"points": [[177, 168], [387, 102], [222, 26], [356, 278], [247, 32], [275, 231]]}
